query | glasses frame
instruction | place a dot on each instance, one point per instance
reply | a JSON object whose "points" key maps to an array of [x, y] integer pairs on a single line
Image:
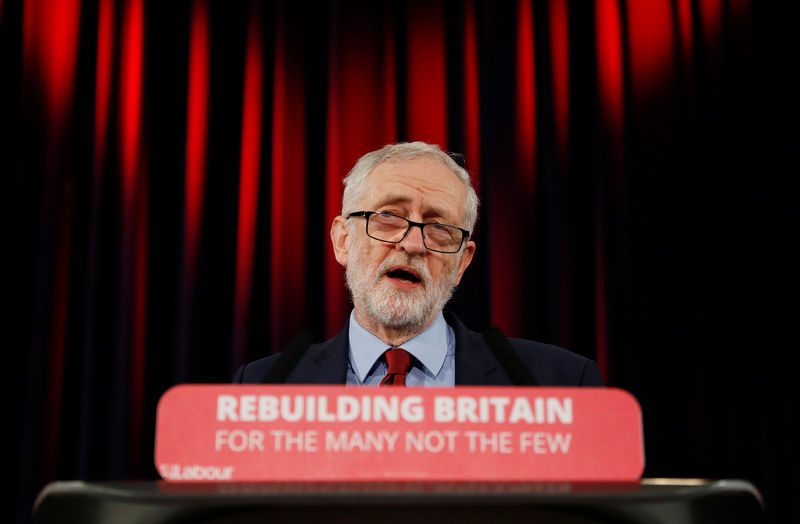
{"points": [[465, 234]]}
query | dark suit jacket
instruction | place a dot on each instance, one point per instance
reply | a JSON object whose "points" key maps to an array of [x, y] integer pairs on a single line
{"points": [[326, 363]]}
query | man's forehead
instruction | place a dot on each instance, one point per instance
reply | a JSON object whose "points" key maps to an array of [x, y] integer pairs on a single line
{"points": [[427, 174], [407, 182], [392, 198]]}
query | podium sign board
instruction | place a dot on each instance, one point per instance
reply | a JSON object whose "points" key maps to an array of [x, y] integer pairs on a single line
{"points": [[336, 433]]}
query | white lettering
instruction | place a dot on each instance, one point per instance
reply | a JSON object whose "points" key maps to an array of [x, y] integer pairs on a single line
{"points": [[444, 409], [464, 409], [521, 411], [411, 409], [239, 440], [348, 441], [267, 408], [366, 408], [489, 442], [559, 410], [538, 405], [467, 407], [431, 441], [310, 408], [295, 440], [195, 472], [287, 413], [335, 441], [347, 408], [542, 442], [324, 414], [499, 404], [226, 408], [559, 442], [247, 408], [385, 409]]}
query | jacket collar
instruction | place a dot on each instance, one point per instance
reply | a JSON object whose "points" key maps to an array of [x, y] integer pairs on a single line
{"points": [[475, 364], [326, 363]]}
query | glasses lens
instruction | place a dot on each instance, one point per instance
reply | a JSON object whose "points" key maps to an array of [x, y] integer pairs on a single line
{"points": [[392, 228], [388, 228], [441, 237]]}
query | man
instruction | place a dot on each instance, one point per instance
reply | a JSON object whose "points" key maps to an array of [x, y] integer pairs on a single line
{"points": [[404, 240]]}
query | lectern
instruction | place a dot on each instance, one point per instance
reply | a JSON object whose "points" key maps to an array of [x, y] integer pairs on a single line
{"points": [[327, 454], [652, 501]]}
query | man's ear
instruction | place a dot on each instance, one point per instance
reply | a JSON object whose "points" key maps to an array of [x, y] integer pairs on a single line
{"points": [[467, 252], [339, 233]]}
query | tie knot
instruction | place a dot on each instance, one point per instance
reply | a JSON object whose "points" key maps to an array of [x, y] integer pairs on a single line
{"points": [[399, 362]]}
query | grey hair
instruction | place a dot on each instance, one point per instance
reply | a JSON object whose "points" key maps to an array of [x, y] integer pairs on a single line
{"points": [[354, 182]]}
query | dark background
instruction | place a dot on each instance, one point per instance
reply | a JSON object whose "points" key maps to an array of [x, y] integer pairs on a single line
{"points": [[170, 170]]}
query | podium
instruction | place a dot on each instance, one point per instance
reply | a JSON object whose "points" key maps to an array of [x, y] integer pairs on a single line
{"points": [[653, 501], [332, 454]]}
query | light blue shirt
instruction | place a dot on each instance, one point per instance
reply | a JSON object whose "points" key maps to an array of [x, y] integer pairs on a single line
{"points": [[434, 350]]}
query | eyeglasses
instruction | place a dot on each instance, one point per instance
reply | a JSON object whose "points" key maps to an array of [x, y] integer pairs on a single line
{"points": [[387, 227]]}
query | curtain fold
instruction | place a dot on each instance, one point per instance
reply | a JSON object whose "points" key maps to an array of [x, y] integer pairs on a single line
{"points": [[170, 172]]}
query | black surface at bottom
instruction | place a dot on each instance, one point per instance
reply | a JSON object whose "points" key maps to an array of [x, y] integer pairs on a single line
{"points": [[665, 501]]}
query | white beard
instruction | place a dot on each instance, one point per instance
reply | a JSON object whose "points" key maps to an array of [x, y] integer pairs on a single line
{"points": [[408, 312]]}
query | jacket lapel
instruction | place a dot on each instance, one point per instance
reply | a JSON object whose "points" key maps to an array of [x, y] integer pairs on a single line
{"points": [[475, 364], [324, 363]]}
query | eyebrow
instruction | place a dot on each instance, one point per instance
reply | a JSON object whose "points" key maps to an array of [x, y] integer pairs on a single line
{"points": [[399, 199]]}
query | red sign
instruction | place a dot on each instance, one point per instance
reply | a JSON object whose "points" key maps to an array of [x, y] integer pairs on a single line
{"points": [[338, 433]]}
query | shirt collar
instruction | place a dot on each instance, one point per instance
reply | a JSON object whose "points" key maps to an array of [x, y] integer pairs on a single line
{"points": [[429, 347]]}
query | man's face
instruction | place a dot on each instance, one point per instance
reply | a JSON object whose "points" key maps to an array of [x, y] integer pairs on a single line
{"points": [[404, 286]]}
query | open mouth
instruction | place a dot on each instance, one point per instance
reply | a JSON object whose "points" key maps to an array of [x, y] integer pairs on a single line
{"points": [[402, 274]]}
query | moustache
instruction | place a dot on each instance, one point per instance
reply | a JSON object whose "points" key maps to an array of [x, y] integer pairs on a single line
{"points": [[414, 262]]}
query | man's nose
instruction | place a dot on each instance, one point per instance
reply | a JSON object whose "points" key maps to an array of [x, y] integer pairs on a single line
{"points": [[413, 243]]}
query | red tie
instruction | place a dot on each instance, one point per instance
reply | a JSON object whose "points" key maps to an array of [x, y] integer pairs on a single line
{"points": [[399, 362]]}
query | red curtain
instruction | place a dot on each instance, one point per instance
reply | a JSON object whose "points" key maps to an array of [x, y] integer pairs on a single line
{"points": [[171, 171]]}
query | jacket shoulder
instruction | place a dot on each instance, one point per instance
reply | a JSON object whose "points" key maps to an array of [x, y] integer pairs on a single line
{"points": [[322, 363], [555, 366], [254, 372]]}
